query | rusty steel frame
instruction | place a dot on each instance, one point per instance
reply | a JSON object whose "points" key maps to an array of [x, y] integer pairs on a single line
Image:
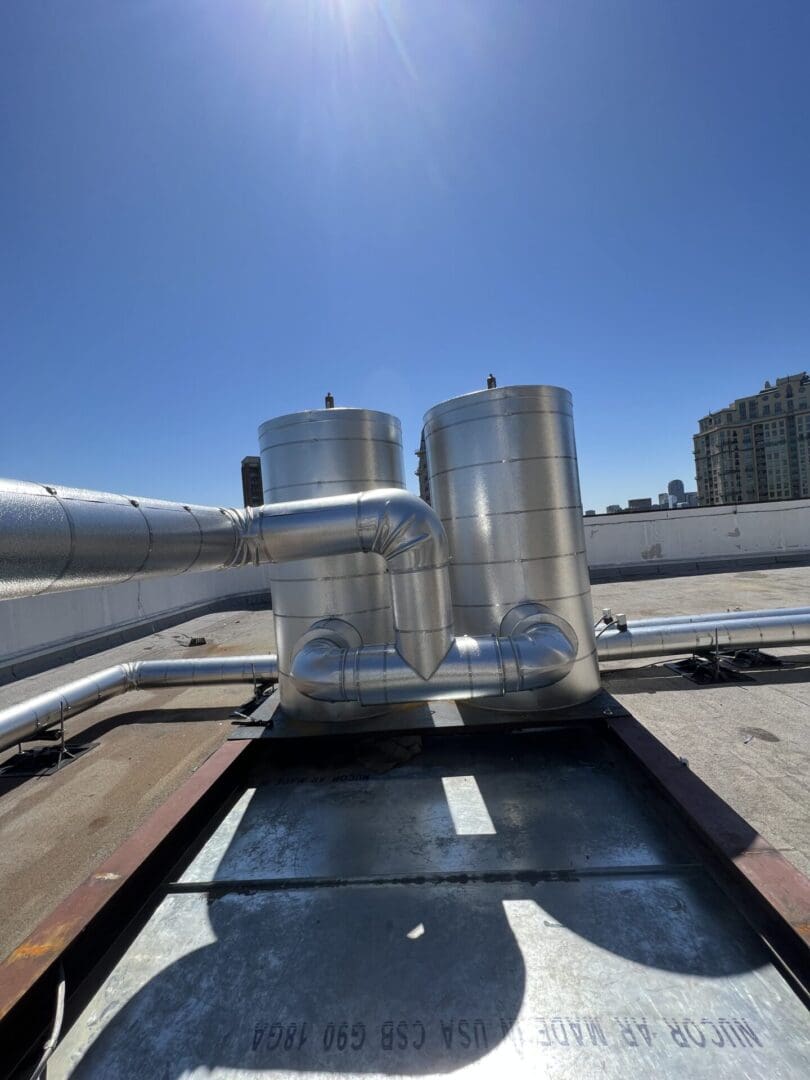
{"points": [[82, 929], [770, 891]]}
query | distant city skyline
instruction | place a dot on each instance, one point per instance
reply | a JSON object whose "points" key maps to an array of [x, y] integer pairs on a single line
{"points": [[676, 496]]}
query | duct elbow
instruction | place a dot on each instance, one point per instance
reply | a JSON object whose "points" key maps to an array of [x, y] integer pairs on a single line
{"points": [[328, 667], [409, 535], [545, 655], [318, 670], [402, 528]]}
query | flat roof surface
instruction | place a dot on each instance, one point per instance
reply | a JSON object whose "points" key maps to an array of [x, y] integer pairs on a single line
{"points": [[54, 830], [748, 741]]}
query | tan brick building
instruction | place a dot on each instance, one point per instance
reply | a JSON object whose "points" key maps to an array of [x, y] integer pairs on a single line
{"points": [[758, 448]]}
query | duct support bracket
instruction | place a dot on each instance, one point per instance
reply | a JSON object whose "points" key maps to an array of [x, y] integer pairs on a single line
{"points": [[45, 760]]}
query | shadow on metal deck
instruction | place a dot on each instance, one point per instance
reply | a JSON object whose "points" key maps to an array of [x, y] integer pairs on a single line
{"points": [[503, 905]]}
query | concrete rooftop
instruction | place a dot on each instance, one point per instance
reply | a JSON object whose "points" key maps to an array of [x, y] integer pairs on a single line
{"points": [[748, 741], [55, 830]]}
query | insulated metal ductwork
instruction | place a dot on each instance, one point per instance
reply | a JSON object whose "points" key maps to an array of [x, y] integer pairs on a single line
{"points": [[53, 539], [534, 650], [719, 616], [321, 452], [704, 635], [57, 538], [396, 525], [29, 718], [503, 475]]}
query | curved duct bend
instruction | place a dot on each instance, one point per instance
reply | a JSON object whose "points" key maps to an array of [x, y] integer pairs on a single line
{"points": [[670, 639], [535, 649], [389, 522], [54, 539], [28, 718]]}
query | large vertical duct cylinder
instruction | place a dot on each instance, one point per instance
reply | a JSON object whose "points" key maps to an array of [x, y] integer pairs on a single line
{"points": [[329, 452], [502, 467]]}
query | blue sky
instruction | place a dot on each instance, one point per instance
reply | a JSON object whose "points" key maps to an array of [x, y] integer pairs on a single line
{"points": [[215, 212]]}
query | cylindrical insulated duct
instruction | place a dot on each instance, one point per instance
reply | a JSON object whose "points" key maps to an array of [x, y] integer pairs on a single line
{"points": [[671, 639], [717, 616], [53, 539], [503, 479], [535, 649], [318, 453], [28, 719], [389, 526]]}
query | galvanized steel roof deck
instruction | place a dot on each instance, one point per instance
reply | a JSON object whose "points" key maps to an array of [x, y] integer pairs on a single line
{"points": [[513, 905]]}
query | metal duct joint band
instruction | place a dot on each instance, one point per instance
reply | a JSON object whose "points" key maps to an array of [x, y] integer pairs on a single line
{"points": [[330, 664]]}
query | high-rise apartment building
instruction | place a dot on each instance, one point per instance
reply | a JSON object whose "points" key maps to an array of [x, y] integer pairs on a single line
{"points": [[758, 448]]}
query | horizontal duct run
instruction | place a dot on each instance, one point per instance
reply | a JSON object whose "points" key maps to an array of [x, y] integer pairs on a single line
{"points": [[29, 718], [54, 539], [330, 665], [721, 616], [539, 650], [726, 634]]}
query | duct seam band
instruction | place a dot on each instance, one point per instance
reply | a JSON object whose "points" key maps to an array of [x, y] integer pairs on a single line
{"points": [[503, 461], [401, 571]]}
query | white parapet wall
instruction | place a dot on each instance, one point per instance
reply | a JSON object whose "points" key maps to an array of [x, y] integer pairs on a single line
{"points": [[59, 624], [698, 540]]}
